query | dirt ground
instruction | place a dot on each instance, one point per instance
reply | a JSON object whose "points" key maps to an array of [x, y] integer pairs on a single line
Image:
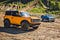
{"points": [[46, 31]]}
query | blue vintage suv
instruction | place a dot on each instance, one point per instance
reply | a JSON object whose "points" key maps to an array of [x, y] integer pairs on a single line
{"points": [[48, 17]]}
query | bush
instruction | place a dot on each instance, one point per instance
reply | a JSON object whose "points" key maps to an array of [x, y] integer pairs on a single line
{"points": [[37, 10], [58, 3]]}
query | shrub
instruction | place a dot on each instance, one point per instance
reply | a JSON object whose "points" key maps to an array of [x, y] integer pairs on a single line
{"points": [[37, 10]]}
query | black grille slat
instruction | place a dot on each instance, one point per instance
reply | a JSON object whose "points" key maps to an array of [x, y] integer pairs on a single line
{"points": [[36, 20]]}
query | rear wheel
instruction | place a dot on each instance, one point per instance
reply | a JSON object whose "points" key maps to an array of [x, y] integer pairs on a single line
{"points": [[6, 23], [25, 25]]}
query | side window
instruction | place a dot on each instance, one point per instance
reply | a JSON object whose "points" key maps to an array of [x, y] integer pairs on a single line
{"points": [[14, 14], [8, 13]]}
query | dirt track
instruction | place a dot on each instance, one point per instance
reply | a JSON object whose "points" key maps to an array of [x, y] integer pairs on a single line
{"points": [[46, 31]]}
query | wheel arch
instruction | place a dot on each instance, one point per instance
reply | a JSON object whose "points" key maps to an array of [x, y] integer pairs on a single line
{"points": [[6, 19], [23, 21]]}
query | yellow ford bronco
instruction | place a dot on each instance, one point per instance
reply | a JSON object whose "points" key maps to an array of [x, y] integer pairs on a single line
{"points": [[23, 19]]}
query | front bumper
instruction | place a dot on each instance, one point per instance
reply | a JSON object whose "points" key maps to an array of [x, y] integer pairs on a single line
{"points": [[35, 22], [51, 19]]}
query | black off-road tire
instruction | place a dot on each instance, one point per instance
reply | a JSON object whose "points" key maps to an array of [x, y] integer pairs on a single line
{"points": [[6, 23], [25, 26]]}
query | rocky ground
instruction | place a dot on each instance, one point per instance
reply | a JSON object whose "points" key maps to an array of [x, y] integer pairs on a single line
{"points": [[46, 31]]}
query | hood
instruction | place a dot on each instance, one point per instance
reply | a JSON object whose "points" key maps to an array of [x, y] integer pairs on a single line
{"points": [[34, 17], [50, 16]]}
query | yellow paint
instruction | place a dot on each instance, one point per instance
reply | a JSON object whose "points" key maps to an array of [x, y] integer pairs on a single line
{"points": [[16, 19]]}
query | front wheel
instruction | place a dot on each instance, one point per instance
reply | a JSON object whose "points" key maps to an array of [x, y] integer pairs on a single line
{"points": [[53, 21], [25, 25]]}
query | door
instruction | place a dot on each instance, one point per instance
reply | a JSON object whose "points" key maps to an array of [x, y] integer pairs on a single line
{"points": [[14, 17]]}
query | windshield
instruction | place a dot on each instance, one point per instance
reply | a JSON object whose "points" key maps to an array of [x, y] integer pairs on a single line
{"points": [[25, 14]]}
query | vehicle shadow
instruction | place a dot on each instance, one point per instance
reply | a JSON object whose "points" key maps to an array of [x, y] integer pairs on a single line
{"points": [[13, 30]]}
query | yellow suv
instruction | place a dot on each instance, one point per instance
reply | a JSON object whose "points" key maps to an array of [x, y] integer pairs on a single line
{"points": [[23, 19]]}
